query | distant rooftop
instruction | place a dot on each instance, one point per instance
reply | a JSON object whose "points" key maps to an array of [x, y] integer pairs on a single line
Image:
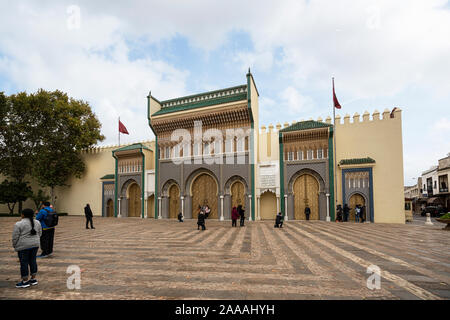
{"points": [[203, 99], [305, 125]]}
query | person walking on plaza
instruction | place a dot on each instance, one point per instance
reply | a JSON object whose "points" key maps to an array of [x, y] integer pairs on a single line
{"points": [[180, 217], [241, 214], [234, 217], [201, 220], [25, 240], [89, 215], [307, 212], [207, 211], [339, 213], [279, 220], [357, 212], [346, 212], [363, 214], [46, 217]]}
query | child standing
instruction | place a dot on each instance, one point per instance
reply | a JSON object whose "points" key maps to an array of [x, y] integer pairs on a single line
{"points": [[25, 239]]}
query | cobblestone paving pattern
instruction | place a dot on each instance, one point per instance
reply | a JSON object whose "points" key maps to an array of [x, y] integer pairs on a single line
{"points": [[134, 258]]}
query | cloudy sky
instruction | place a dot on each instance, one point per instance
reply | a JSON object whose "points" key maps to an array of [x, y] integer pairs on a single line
{"points": [[383, 54]]}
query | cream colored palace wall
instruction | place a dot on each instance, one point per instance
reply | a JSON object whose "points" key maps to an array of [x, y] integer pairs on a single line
{"points": [[380, 139], [99, 162]]}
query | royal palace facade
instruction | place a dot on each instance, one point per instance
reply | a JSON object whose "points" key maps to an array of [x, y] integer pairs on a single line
{"points": [[209, 149]]}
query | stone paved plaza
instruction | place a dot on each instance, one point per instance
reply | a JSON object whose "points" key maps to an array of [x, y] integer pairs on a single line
{"points": [[131, 258]]}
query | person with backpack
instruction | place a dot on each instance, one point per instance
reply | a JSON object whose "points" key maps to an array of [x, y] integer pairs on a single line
{"points": [[88, 214], [48, 219], [25, 240]]}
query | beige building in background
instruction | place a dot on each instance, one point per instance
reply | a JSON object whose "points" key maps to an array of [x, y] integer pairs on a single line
{"points": [[293, 167]]}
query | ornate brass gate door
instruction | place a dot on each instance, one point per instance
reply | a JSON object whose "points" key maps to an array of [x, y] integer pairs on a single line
{"points": [[204, 192], [354, 200], [237, 194], [306, 193], [174, 201], [134, 200]]}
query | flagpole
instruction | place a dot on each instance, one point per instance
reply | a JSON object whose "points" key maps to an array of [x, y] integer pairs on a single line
{"points": [[119, 131], [335, 155]]}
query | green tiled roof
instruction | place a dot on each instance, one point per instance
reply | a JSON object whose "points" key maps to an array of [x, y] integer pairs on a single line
{"points": [[356, 161], [203, 99], [132, 147], [107, 177], [305, 125]]}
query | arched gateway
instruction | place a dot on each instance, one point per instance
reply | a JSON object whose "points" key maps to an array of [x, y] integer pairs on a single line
{"points": [[204, 192], [306, 193]]}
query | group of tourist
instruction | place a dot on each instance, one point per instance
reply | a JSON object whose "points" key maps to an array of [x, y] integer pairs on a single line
{"points": [[344, 213], [30, 233]]}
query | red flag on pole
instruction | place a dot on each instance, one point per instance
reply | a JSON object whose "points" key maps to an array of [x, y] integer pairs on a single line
{"points": [[335, 100], [122, 128]]}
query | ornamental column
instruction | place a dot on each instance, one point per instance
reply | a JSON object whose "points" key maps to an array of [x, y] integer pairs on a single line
{"points": [[328, 207], [119, 215], [221, 208], [182, 206], [159, 206], [286, 215], [258, 209], [250, 203]]}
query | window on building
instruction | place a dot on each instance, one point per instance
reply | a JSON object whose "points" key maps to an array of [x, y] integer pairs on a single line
{"points": [[310, 155], [290, 155], [228, 145], [240, 144], [196, 149], [167, 153], [206, 148], [300, 155], [320, 154]]}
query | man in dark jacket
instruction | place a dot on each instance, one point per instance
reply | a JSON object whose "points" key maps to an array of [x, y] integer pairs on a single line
{"points": [[307, 212], [339, 213], [48, 232], [346, 212], [201, 220], [279, 220], [242, 214], [88, 215], [180, 217]]}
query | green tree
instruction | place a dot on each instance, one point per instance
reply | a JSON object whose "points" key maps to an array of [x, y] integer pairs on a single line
{"points": [[42, 134], [19, 136], [39, 198], [12, 192], [68, 127]]}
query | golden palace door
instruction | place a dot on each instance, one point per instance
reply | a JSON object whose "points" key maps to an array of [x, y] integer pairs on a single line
{"points": [[355, 200], [174, 201], [306, 193], [134, 200], [237, 194], [204, 192]]}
